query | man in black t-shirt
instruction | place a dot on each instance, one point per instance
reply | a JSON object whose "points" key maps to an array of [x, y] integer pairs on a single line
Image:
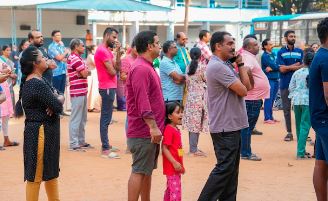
{"points": [[36, 39]]}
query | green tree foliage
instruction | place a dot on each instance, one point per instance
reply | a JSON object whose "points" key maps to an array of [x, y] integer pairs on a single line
{"points": [[285, 7]]}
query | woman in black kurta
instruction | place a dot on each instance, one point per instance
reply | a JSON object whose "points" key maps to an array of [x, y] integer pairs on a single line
{"points": [[42, 125]]}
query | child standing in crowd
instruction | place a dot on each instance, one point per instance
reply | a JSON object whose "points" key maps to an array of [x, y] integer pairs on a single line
{"points": [[173, 152], [299, 94], [7, 108]]}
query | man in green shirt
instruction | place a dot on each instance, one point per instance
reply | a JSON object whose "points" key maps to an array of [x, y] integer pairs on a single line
{"points": [[182, 58]]}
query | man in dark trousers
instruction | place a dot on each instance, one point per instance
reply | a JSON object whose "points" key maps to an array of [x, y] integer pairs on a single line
{"points": [[289, 59], [227, 115]]}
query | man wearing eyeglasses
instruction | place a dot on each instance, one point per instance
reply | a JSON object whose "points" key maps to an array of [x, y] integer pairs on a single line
{"points": [[182, 58], [172, 77]]}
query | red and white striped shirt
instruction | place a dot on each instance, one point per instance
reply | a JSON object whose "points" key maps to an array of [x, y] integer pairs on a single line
{"points": [[78, 84], [206, 52]]}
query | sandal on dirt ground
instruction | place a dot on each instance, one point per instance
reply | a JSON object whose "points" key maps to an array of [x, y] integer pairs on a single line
{"points": [[114, 149], [12, 144], [289, 137], [113, 155], [86, 146], [77, 149], [307, 154], [252, 157], [303, 157], [199, 153]]}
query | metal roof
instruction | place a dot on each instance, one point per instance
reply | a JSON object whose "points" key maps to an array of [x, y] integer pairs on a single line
{"points": [[103, 5], [291, 17]]}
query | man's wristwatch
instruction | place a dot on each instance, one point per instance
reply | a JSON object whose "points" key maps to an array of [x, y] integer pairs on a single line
{"points": [[240, 64]]}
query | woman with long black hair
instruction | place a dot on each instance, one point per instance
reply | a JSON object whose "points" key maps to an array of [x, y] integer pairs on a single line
{"points": [[195, 117], [42, 107]]}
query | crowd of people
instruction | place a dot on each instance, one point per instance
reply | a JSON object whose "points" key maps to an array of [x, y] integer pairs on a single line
{"points": [[211, 88]]}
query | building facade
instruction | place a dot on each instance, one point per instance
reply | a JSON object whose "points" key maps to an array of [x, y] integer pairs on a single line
{"points": [[234, 16]]}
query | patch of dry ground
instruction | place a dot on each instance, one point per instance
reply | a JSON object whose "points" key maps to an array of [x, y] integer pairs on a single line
{"points": [[88, 177]]}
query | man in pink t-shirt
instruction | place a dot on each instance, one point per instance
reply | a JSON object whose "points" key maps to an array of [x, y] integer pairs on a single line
{"points": [[107, 70], [254, 98]]}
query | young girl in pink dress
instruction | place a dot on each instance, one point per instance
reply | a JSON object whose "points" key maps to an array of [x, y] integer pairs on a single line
{"points": [[173, 152]]}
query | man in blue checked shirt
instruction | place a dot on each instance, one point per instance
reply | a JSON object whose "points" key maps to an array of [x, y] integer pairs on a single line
{"points": [[59, 53], [289, 59]]}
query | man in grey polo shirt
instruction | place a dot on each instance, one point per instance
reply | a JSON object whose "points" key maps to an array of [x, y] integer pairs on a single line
{"points": [[227, 115]]}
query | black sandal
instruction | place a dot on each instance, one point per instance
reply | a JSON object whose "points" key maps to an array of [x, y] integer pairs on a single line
{"points": [[289, 137]]}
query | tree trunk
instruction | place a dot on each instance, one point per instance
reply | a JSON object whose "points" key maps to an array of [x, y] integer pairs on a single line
{"points": [[186, 20], [304, 7]]}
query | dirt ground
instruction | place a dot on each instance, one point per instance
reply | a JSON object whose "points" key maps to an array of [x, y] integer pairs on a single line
{"points": [[88, 177]]}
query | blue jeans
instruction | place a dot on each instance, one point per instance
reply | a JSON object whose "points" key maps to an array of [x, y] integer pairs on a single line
{"points": [[107, 97], [59, 82], [268, 103], [253, 108]]}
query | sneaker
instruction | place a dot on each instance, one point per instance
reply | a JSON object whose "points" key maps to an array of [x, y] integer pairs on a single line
{"points": [[113, 122], [269, 122], [86, 146], [252, 157], [114, 155], [256, 132], [289, 137], [114, 149], [78, 149], [109, 154]]}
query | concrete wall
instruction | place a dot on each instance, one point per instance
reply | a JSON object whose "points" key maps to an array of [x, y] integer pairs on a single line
{"points": [[65, 21]]}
